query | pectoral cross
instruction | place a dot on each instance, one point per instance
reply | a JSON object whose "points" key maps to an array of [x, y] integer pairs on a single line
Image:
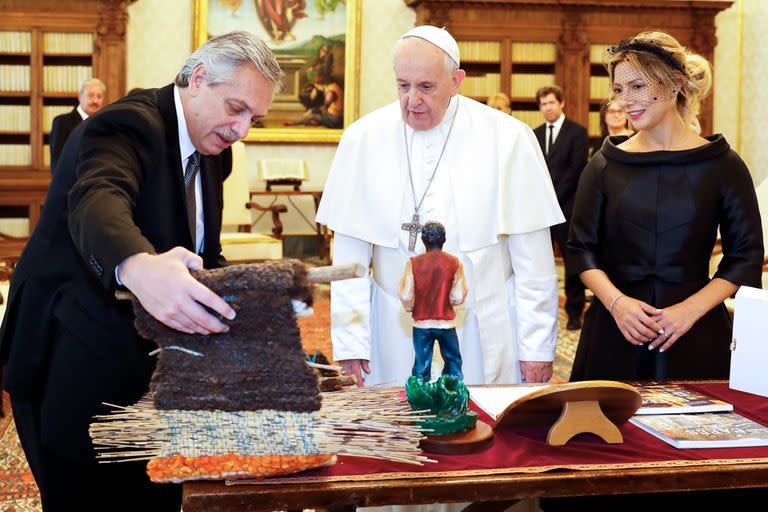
{"points": [[413, 227]]}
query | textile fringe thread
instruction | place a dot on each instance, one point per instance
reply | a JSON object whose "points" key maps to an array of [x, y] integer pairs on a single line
{"points": [[363, 422]]}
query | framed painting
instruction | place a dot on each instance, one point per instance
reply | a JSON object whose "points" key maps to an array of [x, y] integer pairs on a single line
{"points": [[317, 43]]}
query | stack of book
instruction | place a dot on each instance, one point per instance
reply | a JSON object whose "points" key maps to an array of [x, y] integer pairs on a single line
{"points": [[688, 419]]}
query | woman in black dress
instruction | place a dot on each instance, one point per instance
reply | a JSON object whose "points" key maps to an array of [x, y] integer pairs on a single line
{"points": [[645, 221]]}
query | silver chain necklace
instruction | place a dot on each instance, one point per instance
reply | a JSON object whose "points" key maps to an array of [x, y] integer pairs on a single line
{"points": [[414, 227]]}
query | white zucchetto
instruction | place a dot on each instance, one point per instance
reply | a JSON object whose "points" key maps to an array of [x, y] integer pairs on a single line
{"points": [[438, 37]]}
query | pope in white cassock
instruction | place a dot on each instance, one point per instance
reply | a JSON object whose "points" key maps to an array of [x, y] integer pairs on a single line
{"points": [[438, 156]]}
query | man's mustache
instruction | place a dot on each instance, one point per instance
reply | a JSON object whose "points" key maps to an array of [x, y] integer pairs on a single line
{"points": [[227, 135]]}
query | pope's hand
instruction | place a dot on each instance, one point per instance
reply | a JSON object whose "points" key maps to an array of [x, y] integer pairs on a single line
{"points": [[166, 289], [536, 371], [356, 367]]}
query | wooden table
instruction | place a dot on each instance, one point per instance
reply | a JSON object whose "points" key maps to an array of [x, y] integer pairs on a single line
{"points": [[413, 488], [323, 235], [210, 496]]}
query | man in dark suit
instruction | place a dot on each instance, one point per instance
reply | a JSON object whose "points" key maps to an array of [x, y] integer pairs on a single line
{"points": [[129, 205], [565, 145], [91, 98]]}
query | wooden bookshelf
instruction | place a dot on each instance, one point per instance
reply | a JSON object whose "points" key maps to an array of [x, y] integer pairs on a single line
{"points": [[46, 48], [564, 39]]}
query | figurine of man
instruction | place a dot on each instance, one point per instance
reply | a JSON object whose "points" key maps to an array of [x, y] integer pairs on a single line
{"points": [[433, 283]]}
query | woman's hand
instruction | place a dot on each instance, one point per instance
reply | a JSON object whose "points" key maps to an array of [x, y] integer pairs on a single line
{"points": [[674, 321], [635, 320]]}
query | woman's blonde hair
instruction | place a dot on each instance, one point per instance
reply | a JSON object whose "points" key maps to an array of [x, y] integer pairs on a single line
{"points": [[500, 100], [661, 58]]}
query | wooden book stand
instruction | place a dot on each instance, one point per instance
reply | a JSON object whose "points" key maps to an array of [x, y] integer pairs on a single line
{"points": [[594, 407]]}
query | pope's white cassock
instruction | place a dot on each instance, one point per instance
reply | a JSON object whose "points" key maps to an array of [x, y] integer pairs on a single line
{"points": [[493, 194]]}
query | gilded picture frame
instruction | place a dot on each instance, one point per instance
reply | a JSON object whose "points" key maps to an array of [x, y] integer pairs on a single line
{"points": [[306, 40]]}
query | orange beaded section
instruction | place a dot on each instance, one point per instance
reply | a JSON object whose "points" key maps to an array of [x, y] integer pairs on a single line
{"points": [[217, 467]]}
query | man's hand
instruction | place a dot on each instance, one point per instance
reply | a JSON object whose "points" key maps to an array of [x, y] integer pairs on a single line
{"points": [[168, 292], [536, 371], [356, 367]]}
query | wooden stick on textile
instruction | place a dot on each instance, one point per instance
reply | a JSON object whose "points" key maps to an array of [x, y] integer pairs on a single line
{"points": [[314, 275], [335, 273]]}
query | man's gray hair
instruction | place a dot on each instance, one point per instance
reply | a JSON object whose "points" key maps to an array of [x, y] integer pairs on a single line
{"points": [[448, 63], [223, 54], [91, 81]]}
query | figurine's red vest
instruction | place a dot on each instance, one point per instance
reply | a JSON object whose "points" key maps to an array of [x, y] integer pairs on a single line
{"points": [[433, 274]]}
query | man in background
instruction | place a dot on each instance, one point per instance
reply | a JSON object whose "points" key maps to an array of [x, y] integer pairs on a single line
{"points": [[565, 145], [90, 100]]}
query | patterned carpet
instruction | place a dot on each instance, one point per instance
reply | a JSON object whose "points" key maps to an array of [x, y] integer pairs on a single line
{"points": [[18, 492]]}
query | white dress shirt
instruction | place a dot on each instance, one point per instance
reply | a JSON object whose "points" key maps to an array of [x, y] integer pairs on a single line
{"points": [[555, 131], [186, 147]]}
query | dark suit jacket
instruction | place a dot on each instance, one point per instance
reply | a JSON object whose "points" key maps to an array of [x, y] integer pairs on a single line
{"points": [[118, 190], [566, 159], [62, 126]]}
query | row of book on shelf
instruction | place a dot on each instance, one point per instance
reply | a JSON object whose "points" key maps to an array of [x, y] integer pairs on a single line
{"points": [[67, 42], [51, 111], [14, 78], [676, 414], [53, 42], [16, 118], [15, 42], [523, 85], [490, 51], [65, 78], [522, 52], [15, 154], [14, 226]]}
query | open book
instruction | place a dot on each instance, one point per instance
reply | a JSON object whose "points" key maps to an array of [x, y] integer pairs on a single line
{"points": [[676, 399], [495, 400], [707, 430]]}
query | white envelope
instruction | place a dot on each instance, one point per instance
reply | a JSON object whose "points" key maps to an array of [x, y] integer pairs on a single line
{"points": [[749, 346]]}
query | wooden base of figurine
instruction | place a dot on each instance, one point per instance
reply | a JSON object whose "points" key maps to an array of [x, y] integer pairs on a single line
{"points": [[474, 440]]}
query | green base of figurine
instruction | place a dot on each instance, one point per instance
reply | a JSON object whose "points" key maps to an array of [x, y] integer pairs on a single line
{"points": [[442, 425], [447, 399]]}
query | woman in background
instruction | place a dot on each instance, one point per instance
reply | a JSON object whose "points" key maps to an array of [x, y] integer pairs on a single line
{"points": [[500, 101], [646, 218], [613, 122]]}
